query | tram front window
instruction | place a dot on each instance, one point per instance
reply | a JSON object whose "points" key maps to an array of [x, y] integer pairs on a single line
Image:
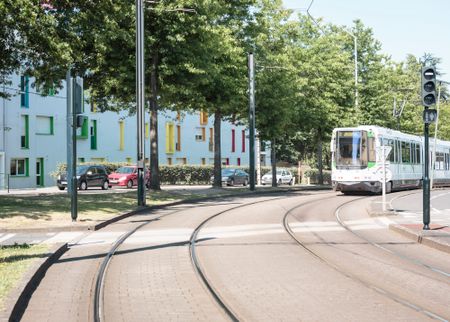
{"points": [[351, 149]]}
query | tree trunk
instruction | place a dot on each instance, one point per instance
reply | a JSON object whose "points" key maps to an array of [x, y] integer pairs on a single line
{"points": [[154, 158], [273, 162], [217, 152], [319, 156]]}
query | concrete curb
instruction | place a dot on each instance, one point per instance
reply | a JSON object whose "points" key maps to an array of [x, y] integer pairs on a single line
{"points": [[17, 300], [430, 238]]}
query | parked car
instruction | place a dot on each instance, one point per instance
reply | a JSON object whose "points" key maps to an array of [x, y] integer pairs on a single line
{"points": [[230, 177], [126, 176], [87, 176], [283, 177]]}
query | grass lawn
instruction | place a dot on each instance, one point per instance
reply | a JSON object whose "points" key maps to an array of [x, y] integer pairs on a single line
{"points": [[14, 262], [21, 211]]}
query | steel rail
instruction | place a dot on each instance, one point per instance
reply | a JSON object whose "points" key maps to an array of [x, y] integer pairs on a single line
{"points": [[377, 289], [196, 263], [99, 284]]}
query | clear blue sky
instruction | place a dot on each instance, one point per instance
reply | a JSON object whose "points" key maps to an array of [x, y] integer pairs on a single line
{"points": [[400, 25]]}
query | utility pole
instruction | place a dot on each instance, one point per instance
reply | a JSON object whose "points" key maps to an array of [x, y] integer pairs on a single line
{"points": [[251, 119], [140, 100]]}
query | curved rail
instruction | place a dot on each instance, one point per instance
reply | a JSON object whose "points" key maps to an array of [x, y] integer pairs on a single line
{"points": [[377, 289], [390, 251], [99, 284]]}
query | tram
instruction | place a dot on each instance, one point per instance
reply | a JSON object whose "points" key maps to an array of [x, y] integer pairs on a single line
{"points": [[357, 161]]}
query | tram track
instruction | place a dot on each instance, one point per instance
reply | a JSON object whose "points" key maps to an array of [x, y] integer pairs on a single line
{"points": [[99, 282], [352, 276]]}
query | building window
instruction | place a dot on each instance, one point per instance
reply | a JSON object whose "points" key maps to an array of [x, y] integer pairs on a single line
{"points": [[169, 161], [93, 134], [19, 167], [25, 133], [233, 140], [129, 160], [243, 140], [93, 106], [98, 160], [44, 125], [178, 144], [121, 135], [81, 160], [147, 130], [203, 161], [238, 161], [203, 118], [200, 133], [170, 138], [24, 92], [83, 131], [225, 161], [211, 139], [181, 160]]}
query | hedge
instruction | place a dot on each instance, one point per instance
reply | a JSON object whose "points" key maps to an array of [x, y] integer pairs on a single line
{"points": [[175, 174]]}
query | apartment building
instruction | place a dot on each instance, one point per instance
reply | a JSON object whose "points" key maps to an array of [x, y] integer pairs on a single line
{"points": [[33, 137]]}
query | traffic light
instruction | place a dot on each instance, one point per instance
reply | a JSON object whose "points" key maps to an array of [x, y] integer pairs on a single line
{"points": [[428, 86], [78, 102]]}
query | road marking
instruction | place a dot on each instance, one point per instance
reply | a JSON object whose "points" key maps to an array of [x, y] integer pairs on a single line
{"points": [[6, 237]]}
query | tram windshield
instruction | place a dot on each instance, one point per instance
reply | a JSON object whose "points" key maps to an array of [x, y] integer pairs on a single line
{"points": [[351, 149]]}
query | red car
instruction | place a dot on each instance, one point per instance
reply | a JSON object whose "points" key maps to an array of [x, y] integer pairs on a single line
{"points": [[127, 177]]}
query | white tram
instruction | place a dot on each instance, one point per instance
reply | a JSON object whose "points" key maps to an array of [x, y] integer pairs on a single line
{"points": [[357, 165]]}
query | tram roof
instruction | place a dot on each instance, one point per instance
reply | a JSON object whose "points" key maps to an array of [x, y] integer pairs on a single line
{"points": [[390, 132]]}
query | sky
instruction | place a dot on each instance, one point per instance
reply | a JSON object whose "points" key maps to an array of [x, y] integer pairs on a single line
{"points": [[402, 26]]}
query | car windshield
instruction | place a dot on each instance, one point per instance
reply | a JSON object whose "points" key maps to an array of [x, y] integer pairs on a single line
{"points": [[82, 169], [227, 172], [125, 170]]}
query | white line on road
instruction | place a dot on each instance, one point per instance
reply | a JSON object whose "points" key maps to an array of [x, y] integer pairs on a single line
{"points": [[6, 237]]}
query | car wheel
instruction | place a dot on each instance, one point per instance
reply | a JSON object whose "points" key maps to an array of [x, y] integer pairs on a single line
{"points": [[61, 188], [83, 185], [232, 182], [105, 185], [130, 184], [245, 182], [291, 182]]}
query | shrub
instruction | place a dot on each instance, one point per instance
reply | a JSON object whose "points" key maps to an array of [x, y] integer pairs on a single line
{"points": [[313, 175]]}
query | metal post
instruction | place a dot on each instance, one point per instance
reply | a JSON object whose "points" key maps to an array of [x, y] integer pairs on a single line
{"points": [[140, 101], [384, 178], [74, 194], [258, 160], [251, 119], [426, 182], [69, 131]]}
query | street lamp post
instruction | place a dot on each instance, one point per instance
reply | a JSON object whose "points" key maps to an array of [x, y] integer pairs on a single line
{"points": [[140, 101]]}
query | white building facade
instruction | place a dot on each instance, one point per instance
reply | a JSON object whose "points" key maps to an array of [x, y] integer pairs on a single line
{"points": [[33, 137]]}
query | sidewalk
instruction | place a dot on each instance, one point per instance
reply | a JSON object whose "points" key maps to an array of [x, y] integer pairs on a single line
{"points": [[408, 222]]}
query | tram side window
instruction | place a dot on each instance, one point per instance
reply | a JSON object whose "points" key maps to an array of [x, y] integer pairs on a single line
{"points": [[439, 164], [406, 152], [418, 161], [447, 161], [398, 151], [391, 143]]}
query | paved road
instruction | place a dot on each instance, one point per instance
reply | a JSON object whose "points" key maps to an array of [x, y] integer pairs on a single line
{"points": [[256, 267]]}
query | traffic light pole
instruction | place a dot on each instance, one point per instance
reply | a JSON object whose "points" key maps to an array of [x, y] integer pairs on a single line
{"points": [[251, 119], [74, 194], [426, 181]]}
